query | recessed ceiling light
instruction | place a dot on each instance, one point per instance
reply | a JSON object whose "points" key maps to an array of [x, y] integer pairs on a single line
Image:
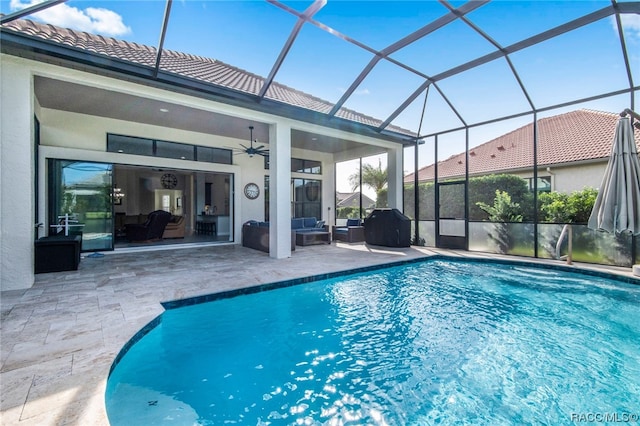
{"points": [[314, 139], [164, 110]]}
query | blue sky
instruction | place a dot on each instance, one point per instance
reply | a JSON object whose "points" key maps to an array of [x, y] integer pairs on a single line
{"points": [[251, 34]]}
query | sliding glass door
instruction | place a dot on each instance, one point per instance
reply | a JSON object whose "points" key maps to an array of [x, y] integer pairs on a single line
{"points": [[80, 193]]}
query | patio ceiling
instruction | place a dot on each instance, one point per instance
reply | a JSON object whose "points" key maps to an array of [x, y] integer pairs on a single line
{"points": [[546, 58], [82, 99]]}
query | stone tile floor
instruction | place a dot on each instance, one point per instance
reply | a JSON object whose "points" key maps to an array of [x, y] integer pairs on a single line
{"points": [[59, 337]]}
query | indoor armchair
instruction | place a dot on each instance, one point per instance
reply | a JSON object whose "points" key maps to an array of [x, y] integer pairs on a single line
{"points": [[151, 230]]}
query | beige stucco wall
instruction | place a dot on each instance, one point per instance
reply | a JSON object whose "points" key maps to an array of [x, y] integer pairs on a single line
{"points": [[578, 177], [571, 177], [16, 176]]}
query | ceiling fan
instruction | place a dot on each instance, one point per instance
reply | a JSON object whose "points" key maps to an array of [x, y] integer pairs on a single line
{"points": [[251, 150]]}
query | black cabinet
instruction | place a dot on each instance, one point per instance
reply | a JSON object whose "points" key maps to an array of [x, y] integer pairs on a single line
{"points": [[57, 253]]}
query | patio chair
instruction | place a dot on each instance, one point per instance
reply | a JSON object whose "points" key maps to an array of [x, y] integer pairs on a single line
{"points": [[352, 233]]}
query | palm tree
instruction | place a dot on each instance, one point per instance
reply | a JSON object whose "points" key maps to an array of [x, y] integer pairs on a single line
{"points": [[373, 177]]}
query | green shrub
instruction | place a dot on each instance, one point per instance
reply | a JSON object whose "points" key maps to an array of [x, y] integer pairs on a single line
{"points": [[554, 207], [481, 190], [503, 209], [558, 207], [347, 212]]}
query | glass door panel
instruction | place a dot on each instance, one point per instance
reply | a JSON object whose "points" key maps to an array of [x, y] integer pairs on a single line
{"points": [[81, 192], [452, 218]]}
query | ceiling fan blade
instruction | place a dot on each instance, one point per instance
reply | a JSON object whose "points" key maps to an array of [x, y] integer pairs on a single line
{"points": [[244, 146], [259, 147]]}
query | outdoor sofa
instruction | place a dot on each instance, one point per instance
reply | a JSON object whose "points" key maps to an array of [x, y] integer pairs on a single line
{"points": [[256, 234]]}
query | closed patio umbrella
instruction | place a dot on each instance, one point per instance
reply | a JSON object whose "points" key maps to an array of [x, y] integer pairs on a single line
{"points": [[617, 207]]}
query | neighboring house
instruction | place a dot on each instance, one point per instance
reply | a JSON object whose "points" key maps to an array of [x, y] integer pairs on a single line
{"points": [[573, 151], [352, 199]]}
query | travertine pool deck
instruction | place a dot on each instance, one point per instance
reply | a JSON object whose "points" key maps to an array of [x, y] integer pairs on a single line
{"points": [[59, 337]]}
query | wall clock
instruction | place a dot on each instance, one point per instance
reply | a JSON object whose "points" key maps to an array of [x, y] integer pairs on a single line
{"points": [[169, 181], [251, 191]]}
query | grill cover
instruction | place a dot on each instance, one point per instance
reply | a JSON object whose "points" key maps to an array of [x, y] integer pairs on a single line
{"points": [[387, 227]]}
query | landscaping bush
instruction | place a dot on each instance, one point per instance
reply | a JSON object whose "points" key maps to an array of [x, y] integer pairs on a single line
{"points": [[502, 211], [347, 212], [481, 190], [558, 207]]}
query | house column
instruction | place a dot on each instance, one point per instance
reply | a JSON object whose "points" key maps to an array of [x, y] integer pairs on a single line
{"points": [[17, 231], [279, 191], [395, 177]]}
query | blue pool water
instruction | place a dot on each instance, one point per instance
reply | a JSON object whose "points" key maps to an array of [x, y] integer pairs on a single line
{"points": [[434, 342]]}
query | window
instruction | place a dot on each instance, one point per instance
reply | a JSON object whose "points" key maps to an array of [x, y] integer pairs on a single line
{"points": [[156, 148], [306, 198], [299, 165], [129, 145], [544, 184], [213, 155], [178, 151], [306, 166]]}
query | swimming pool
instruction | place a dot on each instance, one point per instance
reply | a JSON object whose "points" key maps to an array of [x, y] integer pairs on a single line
{"points": [[430, 342]]}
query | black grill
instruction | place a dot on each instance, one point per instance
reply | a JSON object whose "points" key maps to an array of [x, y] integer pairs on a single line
{"points": [[387, 227]]}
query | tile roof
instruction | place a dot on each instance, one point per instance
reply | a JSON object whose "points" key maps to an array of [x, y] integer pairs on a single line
{"points": [[187, 65], [353, 200], [580, 135]]}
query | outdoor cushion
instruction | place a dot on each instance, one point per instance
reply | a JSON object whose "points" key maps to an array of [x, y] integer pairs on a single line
{"points": [[353, 222], [297, 223], [309, 222]]}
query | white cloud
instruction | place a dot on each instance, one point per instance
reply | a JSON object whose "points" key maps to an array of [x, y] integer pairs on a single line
{"points": [[361, 92], [94, 20], [630, 25]]}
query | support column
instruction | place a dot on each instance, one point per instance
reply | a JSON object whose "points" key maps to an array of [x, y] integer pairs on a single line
{"points": [[17, 220], [279, 191], [395, 178]]}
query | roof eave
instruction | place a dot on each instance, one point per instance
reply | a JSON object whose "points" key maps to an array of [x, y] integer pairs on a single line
{"points": [[46, 51]]}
